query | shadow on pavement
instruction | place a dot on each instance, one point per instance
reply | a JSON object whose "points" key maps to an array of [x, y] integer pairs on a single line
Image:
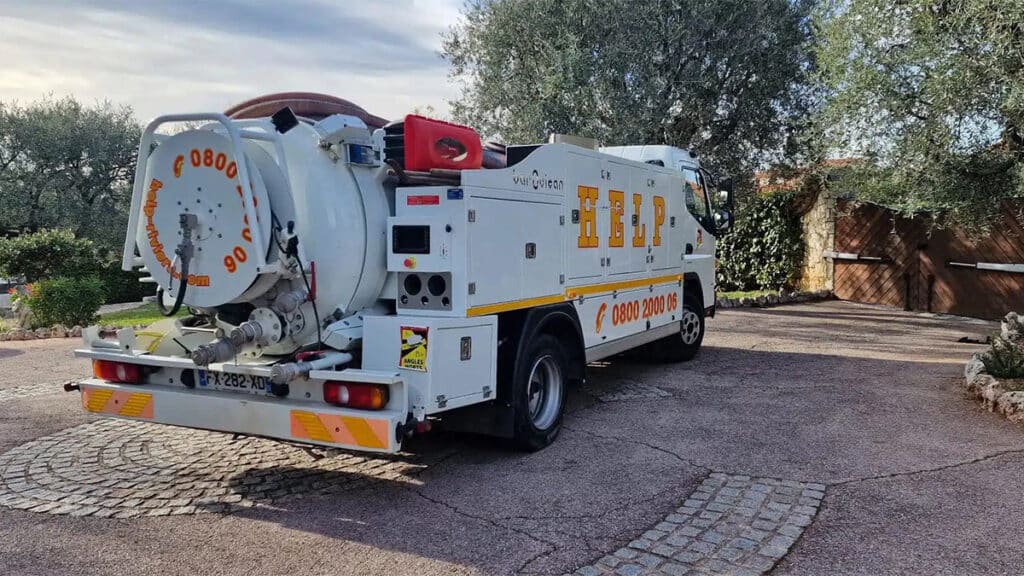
{"points": [[9, 352]]}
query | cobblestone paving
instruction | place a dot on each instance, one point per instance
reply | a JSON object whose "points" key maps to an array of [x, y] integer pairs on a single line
{"points": [[730, 524], [30, 391], [125, 469], [625, 390]]}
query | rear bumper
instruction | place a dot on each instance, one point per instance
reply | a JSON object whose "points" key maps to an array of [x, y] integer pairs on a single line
{"points": [[307, 422]]}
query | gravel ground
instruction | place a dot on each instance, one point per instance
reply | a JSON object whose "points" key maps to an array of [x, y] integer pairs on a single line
{"points": [[861, 401]]}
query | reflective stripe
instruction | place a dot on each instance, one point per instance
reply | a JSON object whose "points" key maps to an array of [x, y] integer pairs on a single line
{"points": [[95, 400], [514, 305], [118, 403], [309, 426], [335, 429], [570, 294], [624, 285]]}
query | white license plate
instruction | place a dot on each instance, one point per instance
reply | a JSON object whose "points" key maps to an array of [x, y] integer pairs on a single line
{"points": [[233, 382]]}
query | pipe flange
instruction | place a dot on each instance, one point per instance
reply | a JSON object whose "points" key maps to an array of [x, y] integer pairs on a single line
{"points": [[272, 324]]}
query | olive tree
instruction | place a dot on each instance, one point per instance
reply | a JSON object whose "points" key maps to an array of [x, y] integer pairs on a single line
{"points": [[726, 78], [67, 165], [930, 94]]}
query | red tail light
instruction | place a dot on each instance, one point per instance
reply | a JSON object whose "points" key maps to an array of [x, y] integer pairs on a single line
{"points": [[117, 371], [353, 395]]}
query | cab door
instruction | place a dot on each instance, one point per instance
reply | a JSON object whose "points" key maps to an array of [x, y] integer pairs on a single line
{"points": [[699, 248]]}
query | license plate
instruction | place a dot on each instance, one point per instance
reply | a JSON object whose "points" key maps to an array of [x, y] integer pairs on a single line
{"points": [[234, 382]]}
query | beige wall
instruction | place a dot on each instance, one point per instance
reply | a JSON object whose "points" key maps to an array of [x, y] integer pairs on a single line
{"points": [[819, 225]]}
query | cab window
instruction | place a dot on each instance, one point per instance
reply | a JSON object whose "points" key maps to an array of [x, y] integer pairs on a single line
{"points": [[694, 191]]}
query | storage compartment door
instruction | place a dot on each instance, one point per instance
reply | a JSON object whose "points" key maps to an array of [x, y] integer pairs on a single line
{"points": [[619, 235], [463, 365], [659, 235], [515, 251], [586, 217]]}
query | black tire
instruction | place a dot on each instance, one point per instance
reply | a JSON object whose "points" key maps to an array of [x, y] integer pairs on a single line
{"points": [[538, 406], [684, 345]]}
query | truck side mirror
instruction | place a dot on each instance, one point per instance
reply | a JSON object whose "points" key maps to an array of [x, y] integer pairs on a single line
{"points": [[726, 190], [723, 221]]}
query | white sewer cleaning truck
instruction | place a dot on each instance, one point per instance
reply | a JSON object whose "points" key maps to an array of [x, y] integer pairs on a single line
{"points": [[347, 286]]}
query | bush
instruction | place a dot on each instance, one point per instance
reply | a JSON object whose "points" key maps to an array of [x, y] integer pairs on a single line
{"points": [[67, 301], [765, 248], [57, 253], [1005, 359], [47, 254]]}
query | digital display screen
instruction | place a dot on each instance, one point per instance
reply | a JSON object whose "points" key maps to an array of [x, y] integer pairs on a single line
{"points": [[410, 239]]}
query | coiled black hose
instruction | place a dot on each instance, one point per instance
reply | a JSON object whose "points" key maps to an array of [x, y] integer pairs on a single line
{"points": [[184, 251]]}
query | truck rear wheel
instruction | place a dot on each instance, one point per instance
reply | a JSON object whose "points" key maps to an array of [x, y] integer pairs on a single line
{"points": [[684, 345], [541, 378]]}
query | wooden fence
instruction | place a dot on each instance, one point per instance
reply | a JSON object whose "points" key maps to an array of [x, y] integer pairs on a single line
{"points": [[902, 262]]}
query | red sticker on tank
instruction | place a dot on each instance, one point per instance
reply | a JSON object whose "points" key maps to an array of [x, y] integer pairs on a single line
{"points": [[423, 200]]}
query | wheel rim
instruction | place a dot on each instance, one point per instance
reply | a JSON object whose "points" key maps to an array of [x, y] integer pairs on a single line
{"points": [[690, 330], [545, 392]]}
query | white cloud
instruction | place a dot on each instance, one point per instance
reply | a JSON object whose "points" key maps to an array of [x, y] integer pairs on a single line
{"points": [[203, 56]]}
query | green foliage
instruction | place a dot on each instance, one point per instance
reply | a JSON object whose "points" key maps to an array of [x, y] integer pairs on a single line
{"points": [[764, 250], [67, 301], [141, 316], [738, 294], [120, 286], [1005, 359], [931, 95], [724, 77], [46, 254], [65, 165], [57, 253]]}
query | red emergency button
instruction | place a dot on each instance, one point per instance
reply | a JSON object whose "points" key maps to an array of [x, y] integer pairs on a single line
{"points": [[410, 263]]}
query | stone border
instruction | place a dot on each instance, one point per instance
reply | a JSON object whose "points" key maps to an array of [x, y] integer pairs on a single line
{"points": [[57, 331], [994, 394], [731, 524], [775, 299]]}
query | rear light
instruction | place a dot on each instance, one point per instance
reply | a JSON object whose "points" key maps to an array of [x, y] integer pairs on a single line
{"points": [[353, 395], [117, 371]]}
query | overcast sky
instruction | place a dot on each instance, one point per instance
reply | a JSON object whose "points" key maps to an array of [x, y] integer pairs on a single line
{"points": [[164, 56]]}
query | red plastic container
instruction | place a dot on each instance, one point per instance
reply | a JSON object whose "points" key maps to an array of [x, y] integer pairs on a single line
{"points": [[438, 144]]}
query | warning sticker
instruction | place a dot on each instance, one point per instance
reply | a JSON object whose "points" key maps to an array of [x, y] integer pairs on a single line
{"points": [[414, 348]]}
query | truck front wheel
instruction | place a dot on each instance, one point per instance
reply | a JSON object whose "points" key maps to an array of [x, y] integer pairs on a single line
{"points": [[684, 345], [540, 386]]}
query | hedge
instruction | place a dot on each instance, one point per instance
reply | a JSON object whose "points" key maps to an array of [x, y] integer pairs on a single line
{"points": [[765, 248]]}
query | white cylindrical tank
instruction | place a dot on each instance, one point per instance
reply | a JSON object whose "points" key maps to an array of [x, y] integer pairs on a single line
{"points": [[304, 191]]}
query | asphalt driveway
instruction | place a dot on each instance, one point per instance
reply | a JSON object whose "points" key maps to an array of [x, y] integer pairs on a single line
{"points": [[848, 417]]}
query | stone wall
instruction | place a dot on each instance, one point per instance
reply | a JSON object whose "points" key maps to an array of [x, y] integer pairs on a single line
{"points": [[819, 227]]}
